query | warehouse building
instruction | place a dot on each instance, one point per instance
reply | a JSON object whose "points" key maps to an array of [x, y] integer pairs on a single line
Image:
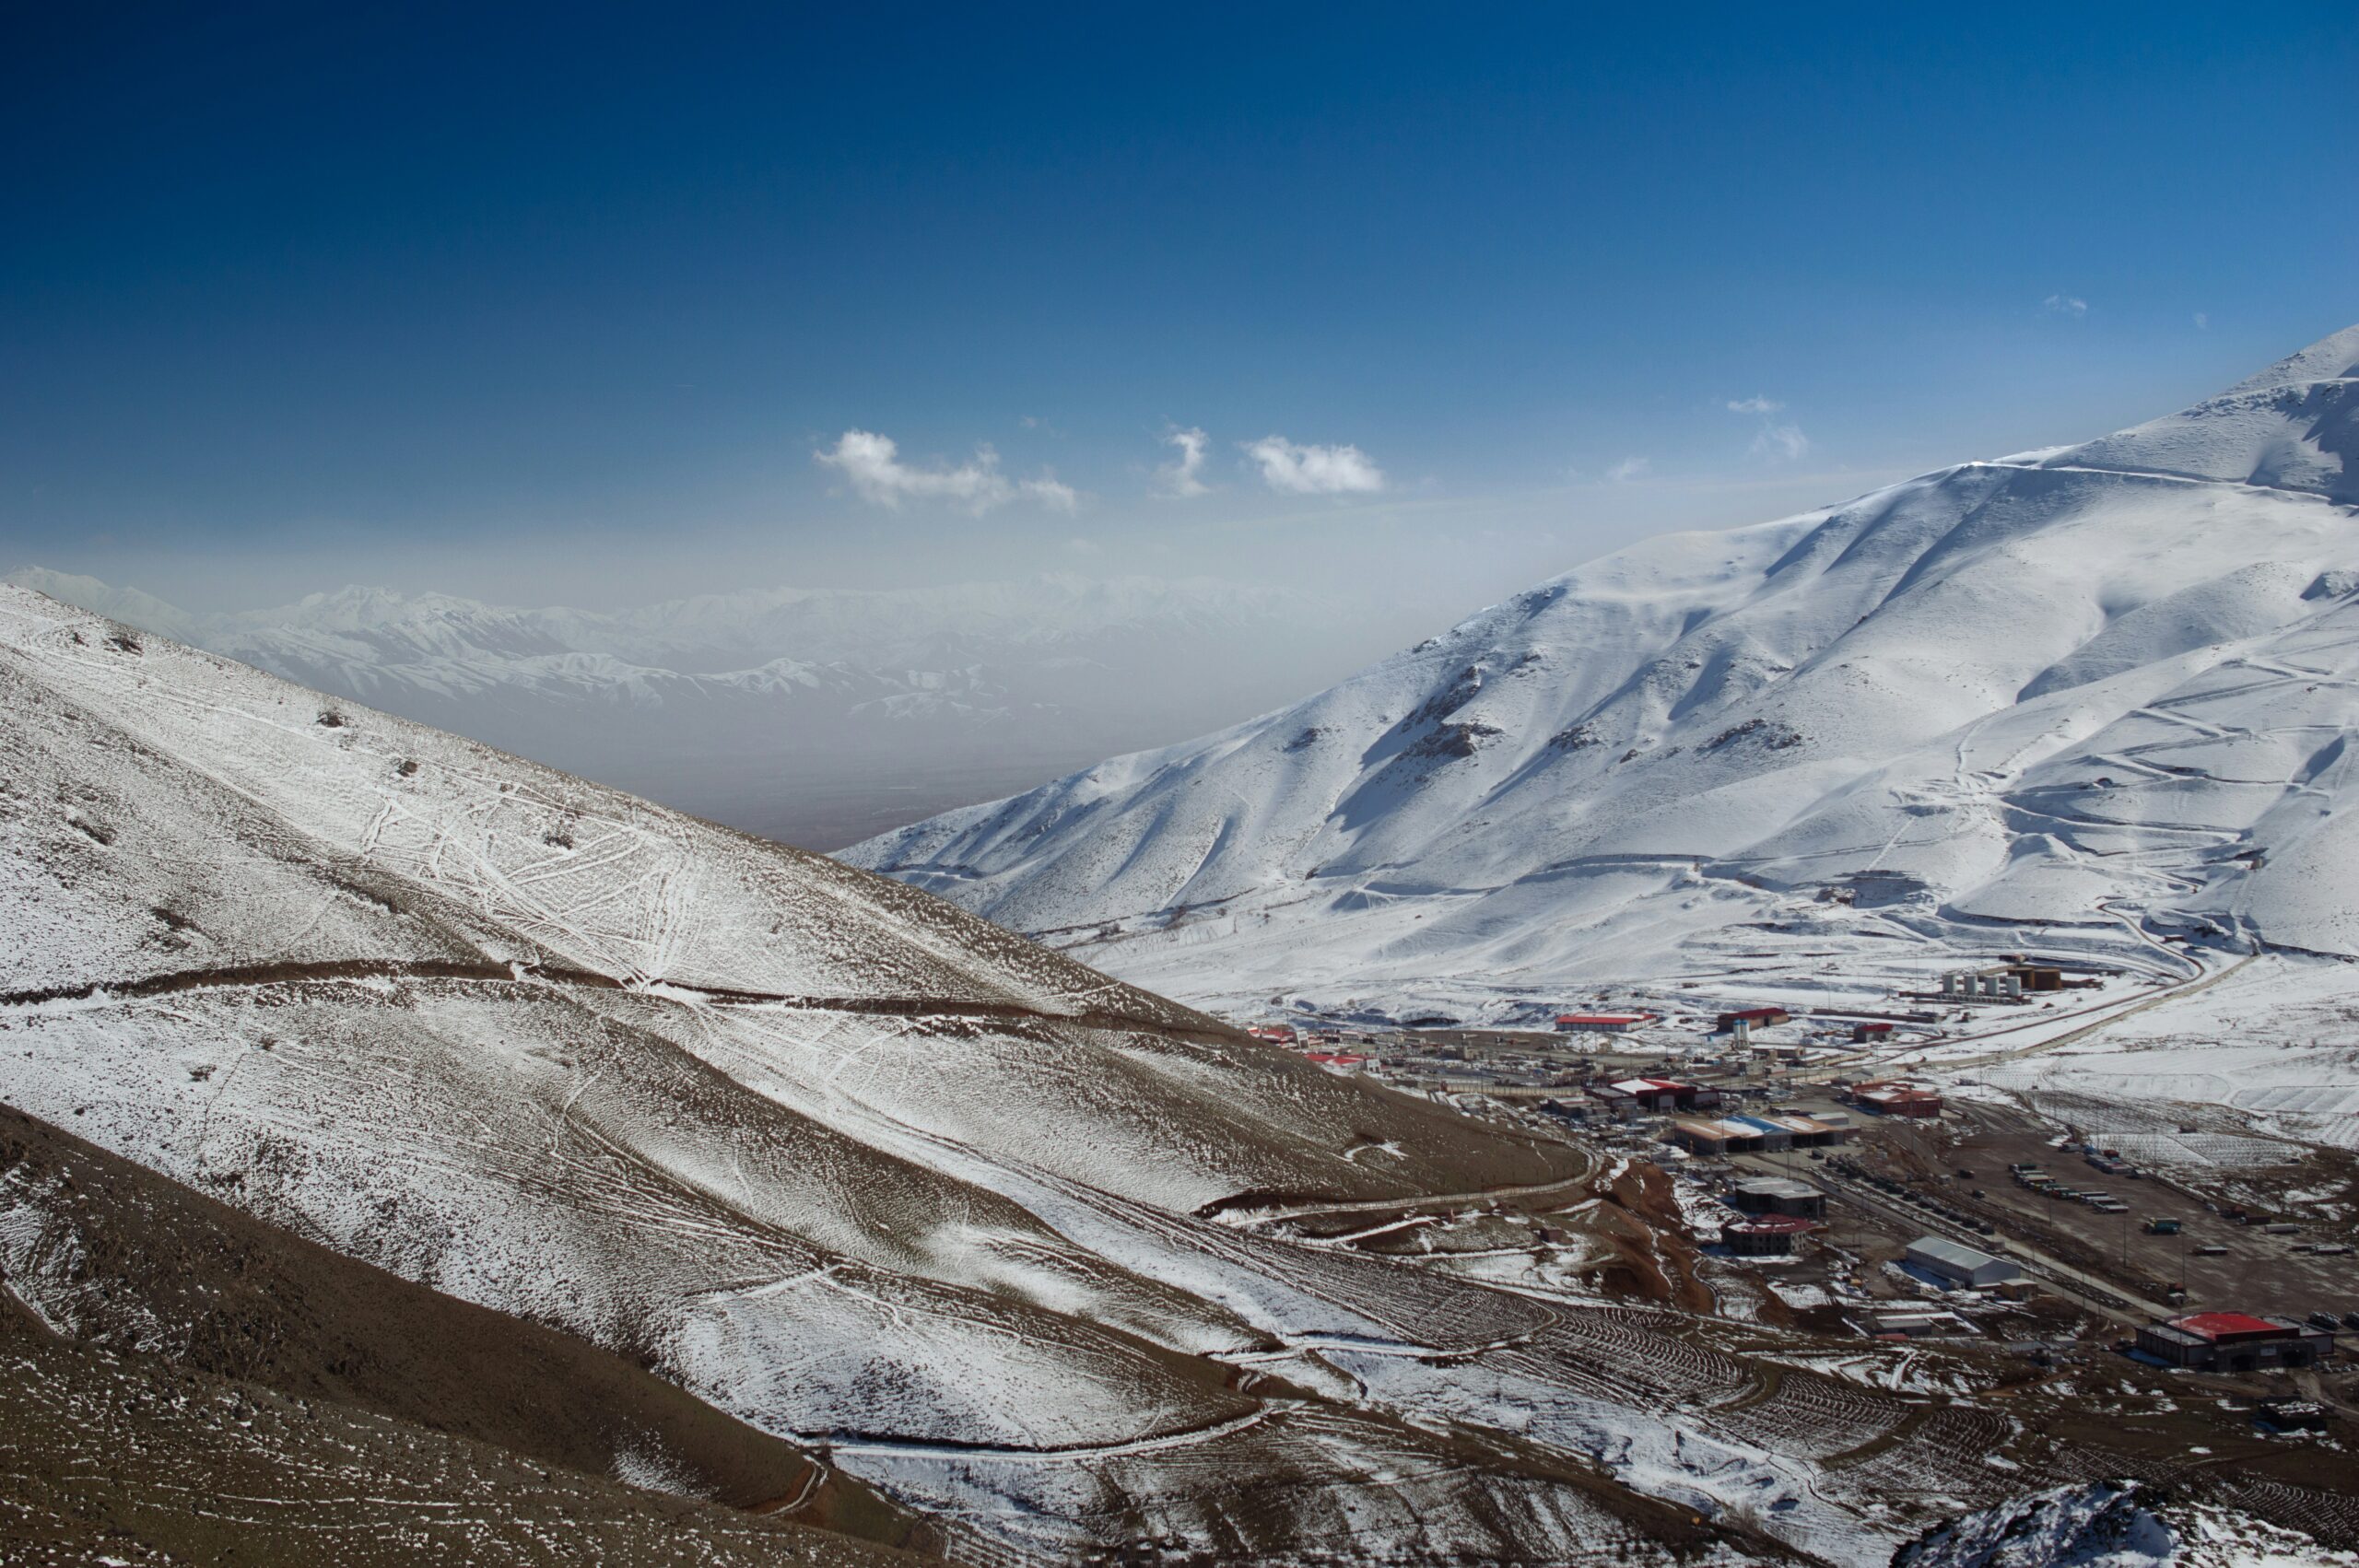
{"points": [[2234, 1341], [1630, 1096], [1960, 1265], [1898, 1099]]}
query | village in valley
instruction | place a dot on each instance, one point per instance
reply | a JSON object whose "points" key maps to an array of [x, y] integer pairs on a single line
{"points": [[1856, 1169]]}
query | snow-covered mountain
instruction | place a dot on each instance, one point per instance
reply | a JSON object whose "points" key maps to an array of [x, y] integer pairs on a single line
{"points": [[2105, 690], [831, 1154], [813, 715], [1060, 1263]]}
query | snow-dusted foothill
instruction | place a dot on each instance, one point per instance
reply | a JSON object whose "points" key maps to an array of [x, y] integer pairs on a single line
{"points": [[818, 716], [2101, 692], [836, 1156]]}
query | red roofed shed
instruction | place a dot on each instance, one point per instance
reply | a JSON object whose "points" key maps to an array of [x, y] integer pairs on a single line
{"points": [[2227, 1328]]}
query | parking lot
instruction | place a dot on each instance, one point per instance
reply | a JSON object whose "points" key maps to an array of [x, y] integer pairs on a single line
{"points": [[2256, 1272]]}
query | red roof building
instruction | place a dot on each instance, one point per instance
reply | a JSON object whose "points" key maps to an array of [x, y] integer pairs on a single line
{"points": [[2226, 1327], [1630, 1095], [2234, 1341], [1897, 1099]]}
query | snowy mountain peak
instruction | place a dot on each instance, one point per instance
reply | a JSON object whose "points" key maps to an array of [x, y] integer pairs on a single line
{"points": [[2333, 358], [2293, 427]]}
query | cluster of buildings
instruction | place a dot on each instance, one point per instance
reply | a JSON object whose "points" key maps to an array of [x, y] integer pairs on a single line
{"points": [[1774, 1212], [2000, 982]]}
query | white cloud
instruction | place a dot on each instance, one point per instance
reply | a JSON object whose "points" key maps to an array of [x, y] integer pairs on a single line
{"points": [[2066, 305], [1629, 468], [1314, 471], [1772, 441], [872, 465], [1050, 492], [2202, 320], [1183, 475]]}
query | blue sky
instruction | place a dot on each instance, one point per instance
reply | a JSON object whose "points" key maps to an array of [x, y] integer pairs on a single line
{"points": [[568, 304]]}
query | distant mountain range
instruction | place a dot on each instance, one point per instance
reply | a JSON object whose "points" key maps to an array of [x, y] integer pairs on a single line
{"points": [[813, 715], [2100, 694]]}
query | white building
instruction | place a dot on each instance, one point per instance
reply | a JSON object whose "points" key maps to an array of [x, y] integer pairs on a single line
{"points": [[1960, 1265]]}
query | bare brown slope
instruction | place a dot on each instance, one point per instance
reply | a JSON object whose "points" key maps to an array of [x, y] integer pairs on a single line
{"points": [[125, 1259], [131, 1460]]}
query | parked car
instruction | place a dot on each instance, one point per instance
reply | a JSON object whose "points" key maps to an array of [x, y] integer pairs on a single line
{"points": [[2351, 1320], [2326, 1320]]}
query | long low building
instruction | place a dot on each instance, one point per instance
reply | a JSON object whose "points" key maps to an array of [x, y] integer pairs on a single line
{"points": [[1602, 1022], [2234, 1341], [1754, 1134], [1898, 1099], [1960, 1265], [1630, 1096]]}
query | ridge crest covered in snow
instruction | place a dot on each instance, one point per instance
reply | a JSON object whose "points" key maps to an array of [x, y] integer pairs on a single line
{"points": [[2101, 690]]}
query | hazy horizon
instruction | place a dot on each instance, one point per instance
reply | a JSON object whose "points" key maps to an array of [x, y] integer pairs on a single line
{"points": [[1401, 318]]}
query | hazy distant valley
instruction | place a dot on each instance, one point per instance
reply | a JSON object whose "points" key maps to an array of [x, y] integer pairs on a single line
{"points": [[814, 717]]}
